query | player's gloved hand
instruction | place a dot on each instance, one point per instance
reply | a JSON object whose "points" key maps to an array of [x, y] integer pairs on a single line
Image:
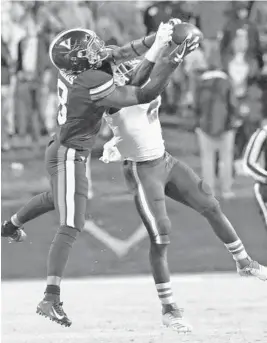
{"points": [[162, 39], [164, 35], [189, 44], [175, 21], [110, 152], [111, 155]]}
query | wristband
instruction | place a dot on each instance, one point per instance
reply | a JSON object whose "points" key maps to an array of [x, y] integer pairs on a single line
{"points": [[152, 54]]}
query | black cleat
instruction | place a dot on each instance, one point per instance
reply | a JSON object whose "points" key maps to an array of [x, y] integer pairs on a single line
{"points": [[53, 310], [13, 233]]}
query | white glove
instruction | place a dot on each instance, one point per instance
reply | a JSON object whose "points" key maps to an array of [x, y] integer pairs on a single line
{"points": [[164, 34], [110, 152], [163, 37], [175, 21]]}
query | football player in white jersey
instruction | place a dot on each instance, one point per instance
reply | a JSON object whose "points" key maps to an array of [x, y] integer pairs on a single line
{"points": [[151, 174]]}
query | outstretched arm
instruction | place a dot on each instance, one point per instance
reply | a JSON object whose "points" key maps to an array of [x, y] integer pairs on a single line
{"points": [[133, 49], [126, 96], [136, 47]]}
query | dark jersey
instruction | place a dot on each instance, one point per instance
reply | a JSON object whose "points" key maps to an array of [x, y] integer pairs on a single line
{"points": [[79, 116]]}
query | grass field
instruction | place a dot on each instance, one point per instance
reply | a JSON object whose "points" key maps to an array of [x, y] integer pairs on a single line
{"points": [[114, 243], [222, 309]]}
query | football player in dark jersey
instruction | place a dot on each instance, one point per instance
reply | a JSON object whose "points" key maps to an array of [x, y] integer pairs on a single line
{"points": [[86, 89]]}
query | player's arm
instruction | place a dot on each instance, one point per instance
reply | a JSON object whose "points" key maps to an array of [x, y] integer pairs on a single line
{"points": [[102, 89], [132, 50], [142, 72], [253, 151], [129, 95], [118, 97], [125, 96], [136, 47]]}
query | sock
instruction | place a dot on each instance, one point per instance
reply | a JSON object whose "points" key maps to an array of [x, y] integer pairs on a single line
{"points": [[52, 292], [221, 226], [59, 253], [165, 293], [38, 205], [15, 222], [237, 249]]}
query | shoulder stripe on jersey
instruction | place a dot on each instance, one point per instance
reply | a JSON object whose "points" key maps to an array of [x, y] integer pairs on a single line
{"points": [[104, 93], [101, 88]]}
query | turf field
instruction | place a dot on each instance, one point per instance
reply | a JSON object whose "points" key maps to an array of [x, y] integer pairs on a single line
{"points": [[114, 242], [222, 309]]}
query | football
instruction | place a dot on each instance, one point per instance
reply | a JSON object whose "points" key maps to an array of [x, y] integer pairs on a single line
{"points": [[181, 31]]}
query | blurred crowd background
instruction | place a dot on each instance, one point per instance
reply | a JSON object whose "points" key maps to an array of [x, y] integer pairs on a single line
{"points": [[211, 107], [235, 44]]}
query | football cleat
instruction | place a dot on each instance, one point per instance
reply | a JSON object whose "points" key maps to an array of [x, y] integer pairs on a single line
{"points": [[53, 310], [172, 318], [253, 268], [14, 234]]}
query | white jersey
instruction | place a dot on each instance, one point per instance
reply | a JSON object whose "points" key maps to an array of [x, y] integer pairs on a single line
{"points": [[137, 131]]}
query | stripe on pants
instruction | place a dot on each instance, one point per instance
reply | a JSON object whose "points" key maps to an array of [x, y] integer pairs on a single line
{"points": [[260, 201], [70, 187], [61, 183], [143, 204], [66, 185]]}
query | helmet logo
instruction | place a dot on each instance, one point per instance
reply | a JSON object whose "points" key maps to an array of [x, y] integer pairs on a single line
{"points": [[66, 43]]}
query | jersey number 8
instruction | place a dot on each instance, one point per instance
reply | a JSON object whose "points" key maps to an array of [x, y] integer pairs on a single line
{"points": [[62, 92]]}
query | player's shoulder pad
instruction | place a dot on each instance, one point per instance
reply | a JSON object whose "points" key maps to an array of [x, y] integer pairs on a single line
{"points": [[99, 83]]}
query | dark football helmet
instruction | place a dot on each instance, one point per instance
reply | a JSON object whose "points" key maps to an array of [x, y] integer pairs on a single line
{"points": [[77, 50]]}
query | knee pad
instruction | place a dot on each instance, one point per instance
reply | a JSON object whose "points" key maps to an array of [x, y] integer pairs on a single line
{"points": [[67, 235], [164, 229]]}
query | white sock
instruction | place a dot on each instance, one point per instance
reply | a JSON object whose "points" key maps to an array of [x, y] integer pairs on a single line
{"points": [[165, 293], [237, 250], [14, 220]]}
